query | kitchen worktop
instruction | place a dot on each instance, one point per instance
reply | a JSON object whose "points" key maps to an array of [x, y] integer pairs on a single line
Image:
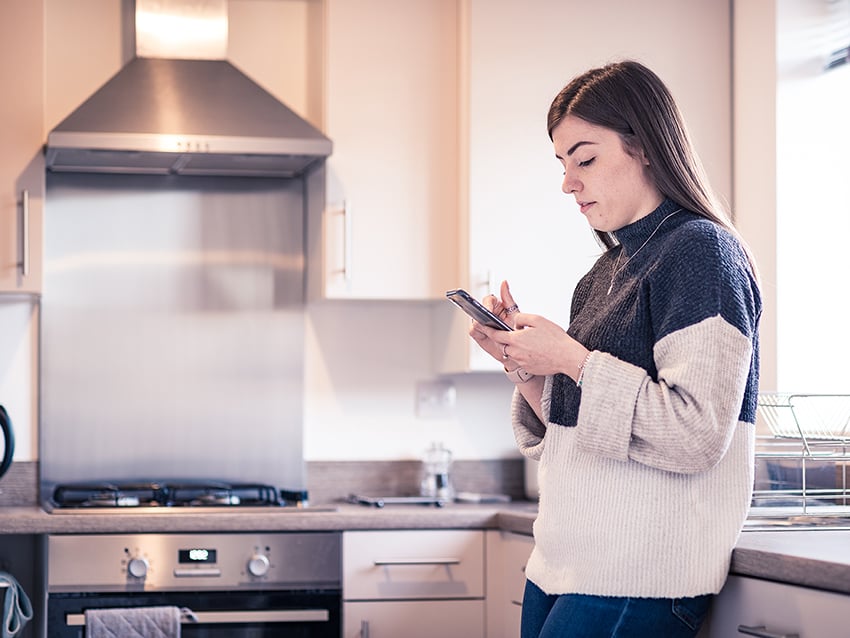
{"points": [[325, 517], [813, 558]]}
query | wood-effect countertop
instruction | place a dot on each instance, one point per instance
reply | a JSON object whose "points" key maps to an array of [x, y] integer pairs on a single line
{"points": [[815, 558]]}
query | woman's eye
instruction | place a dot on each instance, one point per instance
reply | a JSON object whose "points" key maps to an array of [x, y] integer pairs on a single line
{"points": [[586, 162]]}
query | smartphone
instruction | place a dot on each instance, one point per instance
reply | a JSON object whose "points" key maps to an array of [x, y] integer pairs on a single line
{"points": [[471, 306]]}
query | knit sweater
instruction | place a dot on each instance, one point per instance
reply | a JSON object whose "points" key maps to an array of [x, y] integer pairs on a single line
{"points": [[646, 470]]}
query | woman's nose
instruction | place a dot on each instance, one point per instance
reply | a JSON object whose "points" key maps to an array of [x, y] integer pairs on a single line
{"points": [[570, 184]]}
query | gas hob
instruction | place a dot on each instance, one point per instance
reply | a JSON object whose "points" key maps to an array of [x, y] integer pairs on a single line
{"points": [[99, 497]]}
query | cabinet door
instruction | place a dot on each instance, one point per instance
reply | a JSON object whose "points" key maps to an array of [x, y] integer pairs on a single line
{"points": [[507, 555], [520, 226], [753, 607], [21, 132], [414, 619], [391, 110]]}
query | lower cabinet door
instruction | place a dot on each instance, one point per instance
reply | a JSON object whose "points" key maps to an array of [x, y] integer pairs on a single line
{"points": [[507, 554], [414, 619], [752, 607]]}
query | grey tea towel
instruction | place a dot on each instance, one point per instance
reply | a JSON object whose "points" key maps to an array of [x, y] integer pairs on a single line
{"points": [[17, 609], [133, 622]]}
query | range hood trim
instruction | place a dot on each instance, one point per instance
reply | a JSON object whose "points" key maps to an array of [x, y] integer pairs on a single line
{"points": [[180, 144]]}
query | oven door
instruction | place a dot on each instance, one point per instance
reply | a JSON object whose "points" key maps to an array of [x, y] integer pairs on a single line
{"points": [[244, 614]]}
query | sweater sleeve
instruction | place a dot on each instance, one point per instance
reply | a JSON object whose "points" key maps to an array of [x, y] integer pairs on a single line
{"points": [[705, 309], [529, 431]]}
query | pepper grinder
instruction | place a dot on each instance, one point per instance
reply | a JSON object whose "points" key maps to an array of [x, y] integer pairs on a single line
{"points": [[436, 482]]}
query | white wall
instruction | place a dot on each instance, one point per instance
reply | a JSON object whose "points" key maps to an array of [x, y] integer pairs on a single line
{"points": [[754, 155], [18, 329], [363, 361]]}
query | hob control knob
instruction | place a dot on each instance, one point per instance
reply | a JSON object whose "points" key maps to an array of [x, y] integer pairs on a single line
{"points": [[258, 565], [137, 567]]}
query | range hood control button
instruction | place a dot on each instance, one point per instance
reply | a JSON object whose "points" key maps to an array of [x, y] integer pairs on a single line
{"points": [[258, 565], [137, 567]]}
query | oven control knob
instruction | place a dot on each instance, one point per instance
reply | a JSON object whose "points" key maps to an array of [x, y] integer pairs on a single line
{"points": [[258, 565], [137, 567]]}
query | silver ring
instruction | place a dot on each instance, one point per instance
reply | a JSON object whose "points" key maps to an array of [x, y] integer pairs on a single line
{"points": [[505, 351], [511, 309]]}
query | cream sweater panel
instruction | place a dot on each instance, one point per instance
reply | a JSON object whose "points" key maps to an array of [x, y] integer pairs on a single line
{"points": [[647, 495]]}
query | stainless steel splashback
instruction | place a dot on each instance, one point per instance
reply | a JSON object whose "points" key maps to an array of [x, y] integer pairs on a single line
{"points": [[172, 329]]}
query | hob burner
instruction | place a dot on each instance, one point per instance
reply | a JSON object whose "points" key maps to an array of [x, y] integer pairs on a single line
{"points": [[152, 494]]}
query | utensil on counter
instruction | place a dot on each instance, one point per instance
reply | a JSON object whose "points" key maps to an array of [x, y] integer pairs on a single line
{"points": [[380, 501]]}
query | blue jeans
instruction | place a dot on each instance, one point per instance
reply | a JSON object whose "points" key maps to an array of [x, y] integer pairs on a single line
{"points": [[581, 616]]}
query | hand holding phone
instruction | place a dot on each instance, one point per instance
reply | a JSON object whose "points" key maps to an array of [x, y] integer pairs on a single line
{"points": [[476, 309]]}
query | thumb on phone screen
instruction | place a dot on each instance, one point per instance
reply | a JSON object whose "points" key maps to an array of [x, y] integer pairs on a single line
{"points": [[507, 297]]}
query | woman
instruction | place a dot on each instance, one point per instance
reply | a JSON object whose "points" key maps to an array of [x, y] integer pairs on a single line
{"points": [[642, 413]]}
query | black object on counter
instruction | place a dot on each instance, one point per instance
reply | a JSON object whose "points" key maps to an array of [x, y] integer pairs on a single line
{"points": [[9, 441]]}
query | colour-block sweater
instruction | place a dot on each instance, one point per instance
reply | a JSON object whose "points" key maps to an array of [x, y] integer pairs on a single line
{"points": [[646, 470]]}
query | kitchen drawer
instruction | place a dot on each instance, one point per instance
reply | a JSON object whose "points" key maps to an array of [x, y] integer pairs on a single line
{"points": [[414, 619], [391, 565]]}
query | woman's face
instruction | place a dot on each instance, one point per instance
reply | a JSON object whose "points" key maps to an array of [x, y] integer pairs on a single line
{"points": [[612, 188]]}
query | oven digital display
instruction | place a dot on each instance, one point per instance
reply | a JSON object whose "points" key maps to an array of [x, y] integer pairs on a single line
{"points": [[196, 555]]}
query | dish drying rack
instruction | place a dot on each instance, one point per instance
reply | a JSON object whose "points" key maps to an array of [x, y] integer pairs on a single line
{"points": [[806, 456]]}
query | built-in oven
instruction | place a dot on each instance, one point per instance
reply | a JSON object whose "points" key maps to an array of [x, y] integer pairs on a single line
{"points": [[235, 584]]}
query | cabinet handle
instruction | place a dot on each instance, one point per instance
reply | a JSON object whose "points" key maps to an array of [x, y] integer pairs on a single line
{"points": [[382, 562], [25, 233], [762, 632], [364, 629], [483, 285], [346, 241]]}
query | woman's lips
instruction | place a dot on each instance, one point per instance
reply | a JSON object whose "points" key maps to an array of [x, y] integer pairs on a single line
{"points": [[585, 206]]}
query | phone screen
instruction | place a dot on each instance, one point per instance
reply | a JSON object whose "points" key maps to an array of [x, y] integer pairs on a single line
{"points": [[475, 309]]}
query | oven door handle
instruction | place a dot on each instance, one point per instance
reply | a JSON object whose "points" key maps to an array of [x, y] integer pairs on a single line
{"points": [[234, 617]]}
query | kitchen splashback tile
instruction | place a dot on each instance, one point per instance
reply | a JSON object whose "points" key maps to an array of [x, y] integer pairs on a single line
{"points": [[20, 484], [329, 481]]}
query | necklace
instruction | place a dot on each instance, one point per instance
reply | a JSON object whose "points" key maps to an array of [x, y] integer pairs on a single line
{"points": [[616, 271]]}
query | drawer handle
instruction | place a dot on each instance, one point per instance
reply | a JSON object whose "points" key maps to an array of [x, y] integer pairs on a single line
{"points": [[382, 562], [762, 632]]}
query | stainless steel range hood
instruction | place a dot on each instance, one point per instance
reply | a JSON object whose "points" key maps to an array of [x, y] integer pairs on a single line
{"points": [[162, 115]]}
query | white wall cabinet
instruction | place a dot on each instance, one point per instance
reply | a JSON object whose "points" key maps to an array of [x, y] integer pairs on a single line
{"points": [[22, 135], [389, 230], [507, 555], [417, 583], [752, 607], [519, 224]]}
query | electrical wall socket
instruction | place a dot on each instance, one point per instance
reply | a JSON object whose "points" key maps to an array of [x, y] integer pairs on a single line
{"points": [[435, 399]]}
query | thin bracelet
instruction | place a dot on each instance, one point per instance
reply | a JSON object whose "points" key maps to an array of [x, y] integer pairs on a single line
{"points": [[580, 376]]}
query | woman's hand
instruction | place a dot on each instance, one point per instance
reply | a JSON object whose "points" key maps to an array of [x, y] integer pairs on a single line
{"points": [[536, 344], [506, 309]]}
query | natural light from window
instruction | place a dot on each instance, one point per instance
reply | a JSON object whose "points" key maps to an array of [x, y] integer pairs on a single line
{"points": [[813, 199]]}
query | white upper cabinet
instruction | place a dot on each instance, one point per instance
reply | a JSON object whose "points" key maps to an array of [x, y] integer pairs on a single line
{"points": [[519, 224], [21, 132], [391, 109]]}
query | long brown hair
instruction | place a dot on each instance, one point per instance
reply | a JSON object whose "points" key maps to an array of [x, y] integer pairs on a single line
{"points": [[631, 100]]}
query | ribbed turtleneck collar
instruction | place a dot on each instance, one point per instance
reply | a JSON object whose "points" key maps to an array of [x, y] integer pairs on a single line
{"points": [[635, 234]]}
